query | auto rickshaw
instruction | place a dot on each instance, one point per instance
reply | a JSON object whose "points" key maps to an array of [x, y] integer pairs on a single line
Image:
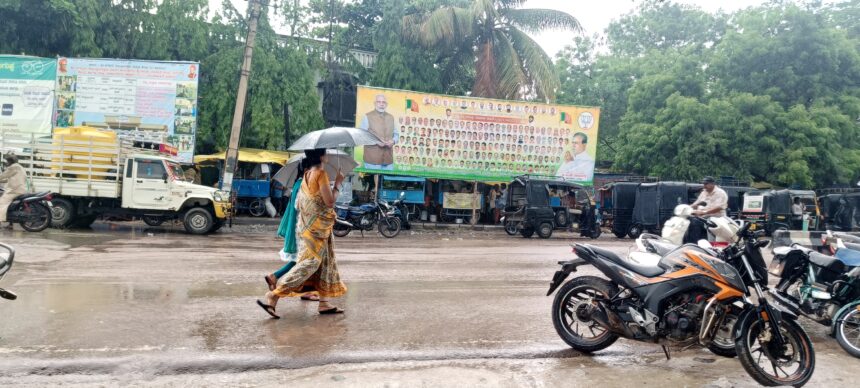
{"points": [[655, 204], [770, 210], [618, 200], [841, 212], [541, 204]]}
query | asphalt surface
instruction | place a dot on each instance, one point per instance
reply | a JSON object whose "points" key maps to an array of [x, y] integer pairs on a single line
{"points": [[122, 304]]}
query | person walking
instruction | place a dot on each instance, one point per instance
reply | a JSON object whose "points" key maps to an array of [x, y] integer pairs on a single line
{"points": [[316, 267], [16, 184]]}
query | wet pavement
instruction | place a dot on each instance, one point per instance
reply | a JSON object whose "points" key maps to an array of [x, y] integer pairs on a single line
{"points": [[122, 304]]}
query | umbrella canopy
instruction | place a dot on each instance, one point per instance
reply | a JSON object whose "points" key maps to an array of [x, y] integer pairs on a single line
{"points": [[334, 137], [336, 160]]}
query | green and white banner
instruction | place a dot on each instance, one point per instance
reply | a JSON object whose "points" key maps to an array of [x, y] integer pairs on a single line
{"points": [[27, 94]]}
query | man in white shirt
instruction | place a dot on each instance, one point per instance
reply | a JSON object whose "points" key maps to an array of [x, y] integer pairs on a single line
{"points": [[712, 202], [581, 168]]}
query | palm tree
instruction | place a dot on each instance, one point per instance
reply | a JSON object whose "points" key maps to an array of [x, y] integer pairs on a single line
{"points": [[491, 34]]}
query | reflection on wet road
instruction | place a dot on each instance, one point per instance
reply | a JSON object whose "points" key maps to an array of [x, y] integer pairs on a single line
{"points": [[120, 300]]}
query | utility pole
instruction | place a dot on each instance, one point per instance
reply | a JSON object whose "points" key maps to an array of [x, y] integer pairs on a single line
{"points": [[232, 159]]}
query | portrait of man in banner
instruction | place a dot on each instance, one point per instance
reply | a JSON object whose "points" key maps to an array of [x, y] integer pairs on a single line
{"points": [[578, 164], [382, 124]]}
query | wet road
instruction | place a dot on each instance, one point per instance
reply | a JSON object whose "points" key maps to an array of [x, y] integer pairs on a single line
{"points": [[119, 304]]}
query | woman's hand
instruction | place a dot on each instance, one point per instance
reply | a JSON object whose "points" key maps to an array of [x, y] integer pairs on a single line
{"points": [[338, 179]]}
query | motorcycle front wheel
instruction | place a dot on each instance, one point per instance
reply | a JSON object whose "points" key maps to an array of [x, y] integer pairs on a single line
{"points": [[848, 330], [511, 228], [768, 363], [36, 217], [389, 226]]}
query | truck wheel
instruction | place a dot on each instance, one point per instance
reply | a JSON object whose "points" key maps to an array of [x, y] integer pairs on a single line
{"points": [[153, 220], [544, 230], [197, 221], [62, 212]]}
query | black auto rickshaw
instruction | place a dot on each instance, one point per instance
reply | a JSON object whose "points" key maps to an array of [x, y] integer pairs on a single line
{"points": [[736, 199], [541, 204], [619, 198], [655, 204], [771, 210], [841, 212]]}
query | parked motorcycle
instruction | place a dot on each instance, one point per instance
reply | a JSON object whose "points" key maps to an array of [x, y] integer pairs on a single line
{"points": [[691, 297], [823, 288], [32, 211], [402, 211], [363, 218], [7, 255]]}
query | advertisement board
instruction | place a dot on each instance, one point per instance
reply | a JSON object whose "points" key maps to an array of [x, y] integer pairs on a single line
{"points": [[26, 94], [451, 137], [145, 98]]}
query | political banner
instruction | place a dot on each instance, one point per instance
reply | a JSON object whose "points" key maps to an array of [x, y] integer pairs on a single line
{"points": [[26, 94], [147, 99], [451, 137]]}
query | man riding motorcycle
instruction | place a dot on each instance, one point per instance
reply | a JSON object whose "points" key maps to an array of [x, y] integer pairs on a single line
{"points": [[16, 184], [712, 202]]}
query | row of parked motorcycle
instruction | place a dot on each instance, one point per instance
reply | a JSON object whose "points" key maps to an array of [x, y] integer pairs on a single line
{"points": [[388, 218], [714, 293]]}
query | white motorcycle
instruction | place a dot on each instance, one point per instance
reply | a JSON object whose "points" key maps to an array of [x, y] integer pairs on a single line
{"points": [[650, 248]]}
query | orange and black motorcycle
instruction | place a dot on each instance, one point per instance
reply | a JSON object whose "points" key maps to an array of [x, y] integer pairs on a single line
{"points": [[694, 296]]}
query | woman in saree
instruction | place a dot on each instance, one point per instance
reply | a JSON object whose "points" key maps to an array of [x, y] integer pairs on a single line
{"points": [[316, 267]]}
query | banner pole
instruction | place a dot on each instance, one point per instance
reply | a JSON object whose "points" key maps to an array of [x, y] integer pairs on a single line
{"points": [[474, 191]]}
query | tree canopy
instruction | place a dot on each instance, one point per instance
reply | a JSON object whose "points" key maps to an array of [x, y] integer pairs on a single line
{"points": [[768, 93]]}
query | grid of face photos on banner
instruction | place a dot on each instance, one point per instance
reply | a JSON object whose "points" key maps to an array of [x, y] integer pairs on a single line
{"points": [[483, 142]]}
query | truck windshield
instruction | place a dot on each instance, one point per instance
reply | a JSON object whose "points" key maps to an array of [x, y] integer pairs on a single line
{"points": [[176, 170]]}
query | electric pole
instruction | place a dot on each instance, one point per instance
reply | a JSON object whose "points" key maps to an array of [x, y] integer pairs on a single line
{"points": [[232, 159]]}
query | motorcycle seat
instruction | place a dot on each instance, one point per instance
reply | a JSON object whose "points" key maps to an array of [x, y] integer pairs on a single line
{"points": [[829, 262], [30, 195], [644, 270], [660, 247], [849, 256]]}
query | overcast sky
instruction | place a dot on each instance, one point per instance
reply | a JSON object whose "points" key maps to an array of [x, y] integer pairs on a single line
{"points": [[593, 15]]}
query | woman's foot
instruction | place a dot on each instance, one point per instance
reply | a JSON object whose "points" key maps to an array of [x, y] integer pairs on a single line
{"points": [[269, 306], [271, 281], [311, 297], [326, 308]]}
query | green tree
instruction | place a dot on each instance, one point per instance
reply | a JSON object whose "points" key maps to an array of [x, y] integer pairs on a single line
{"points": [[492, 35]]}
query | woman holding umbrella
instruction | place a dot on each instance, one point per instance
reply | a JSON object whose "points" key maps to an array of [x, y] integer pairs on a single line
{"points": [[316, 267]]}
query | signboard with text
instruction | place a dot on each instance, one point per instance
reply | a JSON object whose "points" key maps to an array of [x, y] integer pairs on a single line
{"points": [[26, 94], [144, 98], [451, 137]]}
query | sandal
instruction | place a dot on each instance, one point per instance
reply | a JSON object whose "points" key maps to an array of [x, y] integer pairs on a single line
{"points": [[333, 310], [271, 281], [268, 309], [311, 297]]}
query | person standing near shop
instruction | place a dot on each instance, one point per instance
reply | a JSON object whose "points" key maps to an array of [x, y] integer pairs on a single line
{"points": [[501, 202], [382, 124]]}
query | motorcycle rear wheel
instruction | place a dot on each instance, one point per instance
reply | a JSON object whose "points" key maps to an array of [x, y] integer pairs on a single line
{"points": [[37, 217], [389, 227], [341, 230], [568, 314], [511, 228], [760, 358]]}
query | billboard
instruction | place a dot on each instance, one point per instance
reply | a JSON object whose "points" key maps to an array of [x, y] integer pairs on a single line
{"points": [[26, 94], [156, 100], [451, 137]]}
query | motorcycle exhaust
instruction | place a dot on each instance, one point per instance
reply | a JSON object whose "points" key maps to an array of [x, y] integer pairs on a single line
{"points": [[610, 320], [344, 223]]}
